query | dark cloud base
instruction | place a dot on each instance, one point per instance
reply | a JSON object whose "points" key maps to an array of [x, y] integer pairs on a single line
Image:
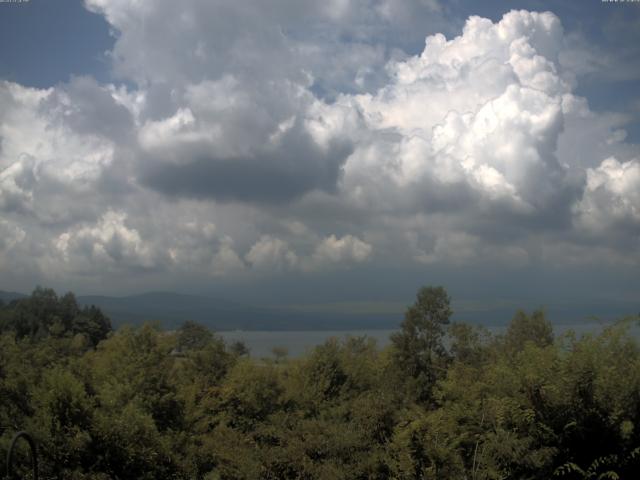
{"points": [[273, 177]]}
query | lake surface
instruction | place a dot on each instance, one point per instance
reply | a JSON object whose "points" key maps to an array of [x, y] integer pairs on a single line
{"points": [[297, 343]]}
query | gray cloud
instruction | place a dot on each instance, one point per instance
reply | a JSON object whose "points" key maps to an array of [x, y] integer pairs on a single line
{"points": [[298, 138], [273, 174], [89, 109]]}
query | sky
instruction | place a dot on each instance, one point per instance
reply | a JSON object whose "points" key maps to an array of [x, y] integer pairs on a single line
{"points": [[297, 151]]}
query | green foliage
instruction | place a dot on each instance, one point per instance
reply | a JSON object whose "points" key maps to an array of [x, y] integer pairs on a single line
{"points": [[469, 344], [524, 328], [44, 314], [143, 403], [419, 350], [62, 420], [193, 336]]}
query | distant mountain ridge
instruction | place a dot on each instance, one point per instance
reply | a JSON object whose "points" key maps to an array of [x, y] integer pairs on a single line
{"points": [[172, 309], [7, 297]]}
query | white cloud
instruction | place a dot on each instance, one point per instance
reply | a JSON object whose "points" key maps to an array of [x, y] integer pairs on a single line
{"points": [[463, 249], [295, 39], [162, 133], [611, 196], [52, 154], [274, 255], [226, 260], [483, 128], [334, 251], [10, 236], [197, 246], [34, 126], [482, 111], [16, 255], [246, 135], [271, 254], [16, 183], [109, 243]]}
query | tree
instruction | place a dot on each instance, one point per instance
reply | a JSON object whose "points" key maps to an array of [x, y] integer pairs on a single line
{"points": [[92, 323], [524, 328], [193, 336], [44, 314], [468, 344], [418, 347], [249, 394], [280, 353], [239, 349]]}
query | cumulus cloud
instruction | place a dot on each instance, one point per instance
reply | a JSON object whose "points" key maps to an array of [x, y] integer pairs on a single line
{"points": [[17, 256], [123, 243], [460, 249], [611, 196], [273, 254], [108, 243], [10, 235], [284, 166], [329, 43], [16, 182], [480, 114], [196, 245], [485, 129], [306, 136], [225, 118], [347, 249], [47, 130], [226, 128], [58, 153]]}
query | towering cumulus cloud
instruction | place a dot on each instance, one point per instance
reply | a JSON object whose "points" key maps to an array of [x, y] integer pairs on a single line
{"points": [[284, 136], [480, 114]]}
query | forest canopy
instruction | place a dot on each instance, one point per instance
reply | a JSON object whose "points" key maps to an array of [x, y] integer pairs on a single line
{"points": [[445, 400]]}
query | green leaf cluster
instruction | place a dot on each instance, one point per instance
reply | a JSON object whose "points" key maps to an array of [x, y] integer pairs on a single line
{"points": [[443, 401]]}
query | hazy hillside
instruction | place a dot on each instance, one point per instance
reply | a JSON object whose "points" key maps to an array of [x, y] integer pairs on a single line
{"points": [[9, 296], [172, 309]]}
